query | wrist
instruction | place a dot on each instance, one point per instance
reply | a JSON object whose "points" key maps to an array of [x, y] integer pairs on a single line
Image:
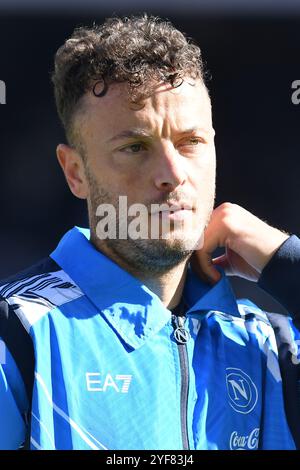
{"points": [[259, 245], [272, 245]]}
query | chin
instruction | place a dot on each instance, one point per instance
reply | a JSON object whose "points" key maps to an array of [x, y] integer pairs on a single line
{"points": [[178, 245], [191, 241]]}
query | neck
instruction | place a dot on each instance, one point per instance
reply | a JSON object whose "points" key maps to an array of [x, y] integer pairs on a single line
{"points": [[168, 285]]}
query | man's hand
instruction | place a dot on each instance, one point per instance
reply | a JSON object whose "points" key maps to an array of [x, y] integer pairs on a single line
{"points": [[248, 241]]}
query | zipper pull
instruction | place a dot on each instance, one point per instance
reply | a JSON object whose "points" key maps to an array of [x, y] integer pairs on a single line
{"points": [[181, 334]]}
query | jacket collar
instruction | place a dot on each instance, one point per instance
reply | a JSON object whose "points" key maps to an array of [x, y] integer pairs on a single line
{"points": [[130, 307]]}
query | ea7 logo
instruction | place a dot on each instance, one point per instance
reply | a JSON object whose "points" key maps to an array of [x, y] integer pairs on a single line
{"points": [[96, 383], [242, 391]]}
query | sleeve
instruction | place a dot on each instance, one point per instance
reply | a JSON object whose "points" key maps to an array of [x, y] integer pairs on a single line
{"points": [[288, 344], [281, 276], [13, 403], [14, 398]]}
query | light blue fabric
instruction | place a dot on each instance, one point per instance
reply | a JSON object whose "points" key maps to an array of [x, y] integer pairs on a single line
{"points": [[13, 404], [108, 370]]}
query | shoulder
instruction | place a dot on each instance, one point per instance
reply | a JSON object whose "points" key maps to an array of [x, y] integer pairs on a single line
{"points": [[33, 292], [257, 327], [250, 312], [278, 328]]}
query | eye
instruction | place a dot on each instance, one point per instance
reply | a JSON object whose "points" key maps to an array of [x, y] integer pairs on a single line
{"points": [[133, 148], [191, 144], [194, 141]]}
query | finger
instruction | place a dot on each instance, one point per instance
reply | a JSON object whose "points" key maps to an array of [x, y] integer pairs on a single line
{"points": [[201, 260], [224, 263], [201, 263], [211, 237]]}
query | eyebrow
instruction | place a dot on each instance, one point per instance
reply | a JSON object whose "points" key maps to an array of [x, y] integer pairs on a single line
{"points": [[138, 133]]}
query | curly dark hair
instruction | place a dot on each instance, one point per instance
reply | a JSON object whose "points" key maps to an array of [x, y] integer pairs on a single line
{"points": [[139, 50]]}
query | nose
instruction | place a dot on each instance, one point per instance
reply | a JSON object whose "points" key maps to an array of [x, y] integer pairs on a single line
{"points": [[169, 169]]}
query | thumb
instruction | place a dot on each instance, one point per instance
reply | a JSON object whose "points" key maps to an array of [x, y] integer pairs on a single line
{"points": [[202, 264], [223, 262]]}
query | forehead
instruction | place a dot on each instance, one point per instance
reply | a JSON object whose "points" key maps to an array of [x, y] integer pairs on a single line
{"points": [[166, 109]]}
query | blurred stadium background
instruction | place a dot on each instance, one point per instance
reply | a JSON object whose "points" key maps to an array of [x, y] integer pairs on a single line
{"points": [[252, 50]]}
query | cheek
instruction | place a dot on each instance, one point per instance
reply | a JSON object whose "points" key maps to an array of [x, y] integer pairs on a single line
{"points": [[203, 176], [112, 179], [126, 172], [134, 180], [127, 183]]}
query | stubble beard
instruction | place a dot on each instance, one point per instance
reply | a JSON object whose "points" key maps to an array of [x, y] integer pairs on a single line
{"points": [[150, 256]]}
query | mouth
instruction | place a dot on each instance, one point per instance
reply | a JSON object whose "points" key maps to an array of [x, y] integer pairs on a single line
{"points": [[178, 214], [178, 211], [173, 208]]}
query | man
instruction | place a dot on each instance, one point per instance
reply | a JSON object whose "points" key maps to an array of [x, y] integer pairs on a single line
{"points": [[130, 348]]}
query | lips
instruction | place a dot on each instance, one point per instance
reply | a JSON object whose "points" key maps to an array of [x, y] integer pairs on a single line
{"points": [[175, 207]]}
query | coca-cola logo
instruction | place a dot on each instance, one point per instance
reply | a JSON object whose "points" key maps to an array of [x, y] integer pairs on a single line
{"points": [[249, 442]]}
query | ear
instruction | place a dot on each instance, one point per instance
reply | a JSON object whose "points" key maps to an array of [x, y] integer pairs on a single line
{"points": [[73, 168]]}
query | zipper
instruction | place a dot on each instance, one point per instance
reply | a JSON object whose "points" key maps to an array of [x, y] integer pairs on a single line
{"points": [[182, 336]]}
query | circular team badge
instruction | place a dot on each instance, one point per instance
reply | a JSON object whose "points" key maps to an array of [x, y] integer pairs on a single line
{"points": [[242, 391], [182, 335]]}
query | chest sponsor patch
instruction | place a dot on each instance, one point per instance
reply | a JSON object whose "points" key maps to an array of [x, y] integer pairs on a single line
{"points": [[96, 382], [248, 442]]}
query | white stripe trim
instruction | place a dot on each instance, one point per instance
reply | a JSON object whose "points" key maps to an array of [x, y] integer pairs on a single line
{"points": [[46, 430], [6, 290], [67, 418], [32, 310], [87, 432], [35, 444]]}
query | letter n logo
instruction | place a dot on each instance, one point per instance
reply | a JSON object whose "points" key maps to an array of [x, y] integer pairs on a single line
{"points": [[242, 392]]}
